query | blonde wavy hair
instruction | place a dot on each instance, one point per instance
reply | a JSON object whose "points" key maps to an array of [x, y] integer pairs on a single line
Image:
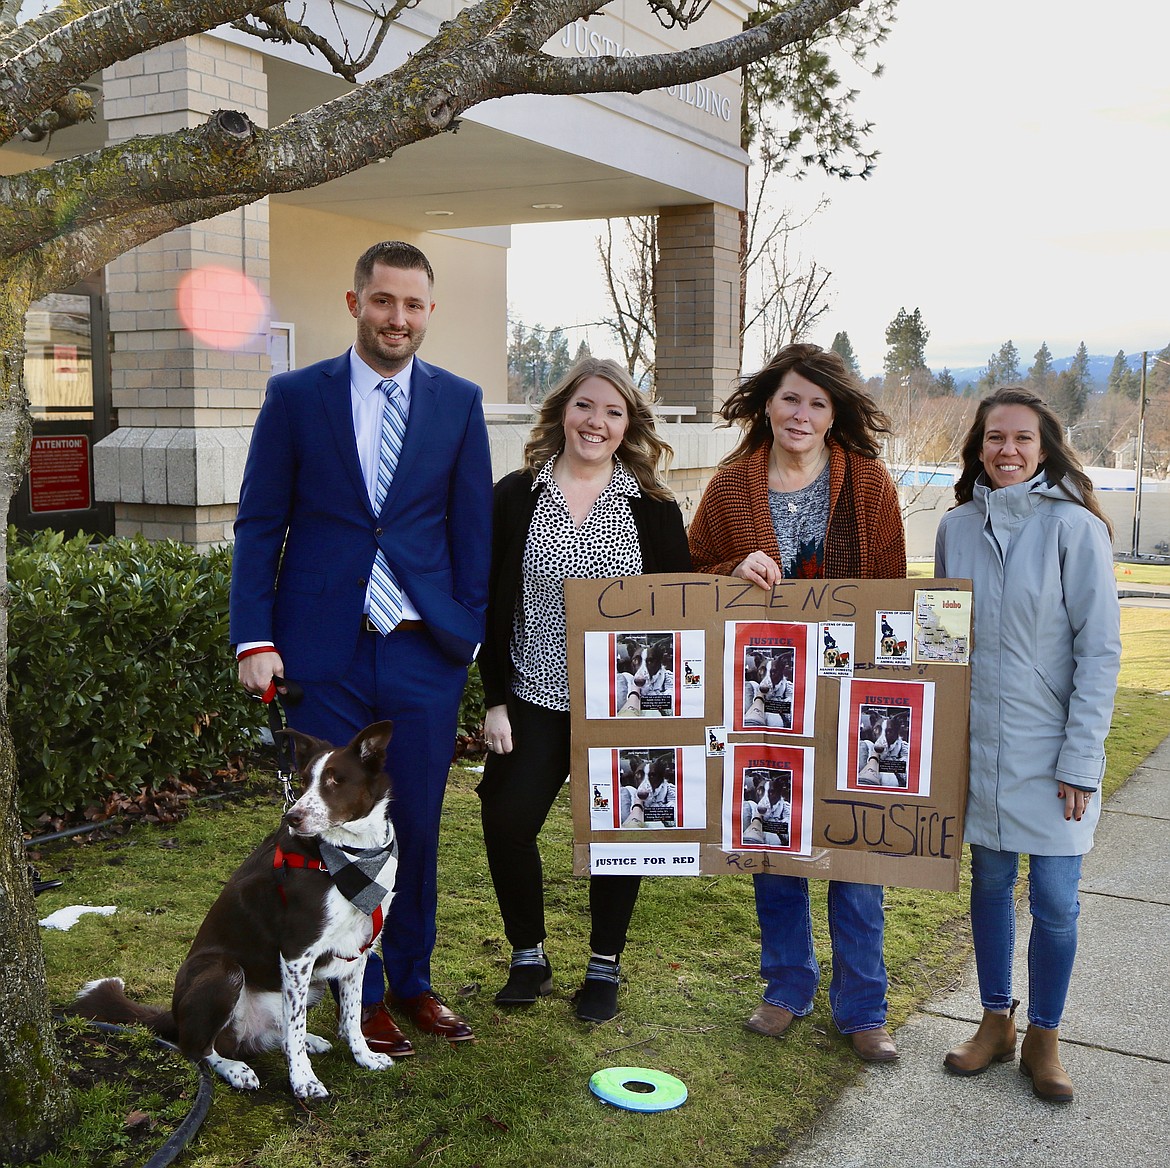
{"points": [[642, 451]]}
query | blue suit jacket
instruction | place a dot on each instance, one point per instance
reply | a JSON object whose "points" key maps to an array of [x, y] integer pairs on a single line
{"points": [[306, 533]]}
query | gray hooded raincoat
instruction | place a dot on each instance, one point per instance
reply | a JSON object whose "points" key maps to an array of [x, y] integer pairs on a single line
{"points": [[1045, 655]]}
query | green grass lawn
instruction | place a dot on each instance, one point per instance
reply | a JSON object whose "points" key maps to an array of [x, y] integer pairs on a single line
{"points": [[1142, 573], [519, 1095], [1124, 572]]}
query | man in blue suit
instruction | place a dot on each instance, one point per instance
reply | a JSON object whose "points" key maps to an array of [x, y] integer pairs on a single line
{"points": [[370, 640]]}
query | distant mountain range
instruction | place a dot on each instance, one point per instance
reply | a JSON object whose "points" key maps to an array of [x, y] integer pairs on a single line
{"points": [[1099, 368]]}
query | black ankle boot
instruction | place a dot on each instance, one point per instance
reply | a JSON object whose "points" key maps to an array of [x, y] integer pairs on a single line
{"points": [[525, 984], [597, 999]]}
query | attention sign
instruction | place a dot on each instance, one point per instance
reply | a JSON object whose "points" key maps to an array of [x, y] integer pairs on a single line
{"points": [[58, 473]]}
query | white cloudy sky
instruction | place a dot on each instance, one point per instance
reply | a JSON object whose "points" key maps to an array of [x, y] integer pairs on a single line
{"points": [[1021, 193]]}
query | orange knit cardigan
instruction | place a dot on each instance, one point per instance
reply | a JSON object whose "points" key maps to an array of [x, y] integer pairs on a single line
{"points": [[865, 538]]}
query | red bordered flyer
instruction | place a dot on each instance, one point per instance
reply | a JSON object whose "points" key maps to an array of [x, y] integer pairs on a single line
{"points": [[647, 787], [768, 798], [885, 736], [769, 677], [645, 674]]}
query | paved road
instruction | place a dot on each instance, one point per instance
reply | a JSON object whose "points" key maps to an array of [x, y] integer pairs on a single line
{"points": [[1115, 1039]]}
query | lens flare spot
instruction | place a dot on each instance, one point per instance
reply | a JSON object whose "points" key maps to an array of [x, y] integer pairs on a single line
{"points": [[222, 308]]}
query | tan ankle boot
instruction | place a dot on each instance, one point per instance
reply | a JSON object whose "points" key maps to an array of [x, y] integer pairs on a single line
{"points": [[993, 1042], [1040, 1062]]}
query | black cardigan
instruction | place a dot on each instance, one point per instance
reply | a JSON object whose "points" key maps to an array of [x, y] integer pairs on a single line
{"points": [[661, 534]]}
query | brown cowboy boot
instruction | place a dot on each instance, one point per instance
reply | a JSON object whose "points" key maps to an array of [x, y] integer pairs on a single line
{"points": [[1040, 1062], [993, 1042]]}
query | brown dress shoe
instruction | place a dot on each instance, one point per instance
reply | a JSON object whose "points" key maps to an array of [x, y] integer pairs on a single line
{"points": [[382, 1035], [874, 1046], [770, 1021], [430, 1015]]}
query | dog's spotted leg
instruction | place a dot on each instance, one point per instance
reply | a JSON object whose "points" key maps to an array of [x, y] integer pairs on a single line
{"points": [[349, 1013], [316, 1044], [235, 1073], [295, 977]]}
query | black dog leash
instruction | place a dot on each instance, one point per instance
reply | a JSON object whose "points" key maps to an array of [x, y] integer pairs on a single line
{"points": [[285, 758]]}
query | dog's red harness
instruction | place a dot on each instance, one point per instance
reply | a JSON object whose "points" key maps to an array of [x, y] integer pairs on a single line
{"points": [[282, 860]]}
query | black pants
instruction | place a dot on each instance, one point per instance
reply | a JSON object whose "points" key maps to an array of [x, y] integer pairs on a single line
{"points": [[516, 794]]}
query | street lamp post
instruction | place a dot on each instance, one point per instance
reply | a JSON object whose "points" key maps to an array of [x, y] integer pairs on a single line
{"points": [[1141, 441]]}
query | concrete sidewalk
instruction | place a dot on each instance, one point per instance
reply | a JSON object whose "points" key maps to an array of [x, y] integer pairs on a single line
{"points": [[1115, 1037], [1143, 595]]}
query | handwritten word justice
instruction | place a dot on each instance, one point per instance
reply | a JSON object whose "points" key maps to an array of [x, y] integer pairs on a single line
{"points": [[897, 829]]}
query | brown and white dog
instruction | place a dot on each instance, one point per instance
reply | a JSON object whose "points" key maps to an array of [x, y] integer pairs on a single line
{"points": [[304, 907]]}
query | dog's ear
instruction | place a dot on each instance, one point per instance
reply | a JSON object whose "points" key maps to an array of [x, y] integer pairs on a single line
{"points": [[370, 745], [306, 746]]}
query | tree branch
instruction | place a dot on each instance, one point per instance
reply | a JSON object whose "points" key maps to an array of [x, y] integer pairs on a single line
{"points": [[276, 25], [462, 67], [561, 75], [75, 106], [9, 11], [36, 206], [65, 260], [45, 57]]}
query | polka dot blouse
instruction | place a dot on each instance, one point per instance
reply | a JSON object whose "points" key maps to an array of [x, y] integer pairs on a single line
{"points": [[606, 544]]}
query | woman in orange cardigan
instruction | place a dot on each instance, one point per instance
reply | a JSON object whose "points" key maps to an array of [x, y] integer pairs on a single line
{"points": [[804, 495]]}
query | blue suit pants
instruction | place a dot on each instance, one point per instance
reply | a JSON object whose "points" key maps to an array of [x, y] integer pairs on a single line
{"points": [[406, 678]]}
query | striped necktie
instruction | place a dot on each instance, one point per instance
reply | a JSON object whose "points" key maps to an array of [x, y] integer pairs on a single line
{"points": [[385, 595]]}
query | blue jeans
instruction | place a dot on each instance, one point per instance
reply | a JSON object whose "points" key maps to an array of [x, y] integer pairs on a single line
{"points": [[857, 990], [1052, 944]]}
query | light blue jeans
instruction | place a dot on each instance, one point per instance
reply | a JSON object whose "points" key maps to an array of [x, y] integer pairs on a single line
{"points": [[1052, 944], [857, 989]]}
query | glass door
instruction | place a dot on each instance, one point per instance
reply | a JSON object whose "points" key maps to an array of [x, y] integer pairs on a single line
{"points": [[66, 377]]}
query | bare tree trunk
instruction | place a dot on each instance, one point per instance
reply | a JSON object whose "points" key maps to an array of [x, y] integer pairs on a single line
{"points": [[35, 1103]]}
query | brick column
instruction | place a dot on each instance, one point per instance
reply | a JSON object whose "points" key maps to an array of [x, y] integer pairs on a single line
{"points": [[696, 283], [184, 406]]}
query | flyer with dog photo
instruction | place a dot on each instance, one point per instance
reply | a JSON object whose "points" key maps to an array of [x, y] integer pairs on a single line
{"points": [[647, 787], [885, 736], [767, 798], [769, 676], [942, 627], [837, 655], [639, 674], [892, 637]]}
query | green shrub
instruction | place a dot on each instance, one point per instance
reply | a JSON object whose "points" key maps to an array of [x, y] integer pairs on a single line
{"points": [[471, 712], [119, 669]]}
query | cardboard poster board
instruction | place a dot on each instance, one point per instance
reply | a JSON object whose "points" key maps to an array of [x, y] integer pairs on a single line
{"points": [[817, 730]]}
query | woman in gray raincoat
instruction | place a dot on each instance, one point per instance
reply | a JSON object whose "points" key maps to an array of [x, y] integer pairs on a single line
{"points": [[1046, 649]]}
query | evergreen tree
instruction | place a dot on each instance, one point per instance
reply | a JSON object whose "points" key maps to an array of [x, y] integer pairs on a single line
{"points": [[844, 349], [1040, 375], [1080, 370], [559, 360], [907, 336], [536, 361], [1003, 368], [1042, 366], [1122, 379], [1069, 396], [945, 384], [1157, 373]]}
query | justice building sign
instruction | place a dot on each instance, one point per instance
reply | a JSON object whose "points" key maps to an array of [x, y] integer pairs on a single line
{"points": [[818, 729]]}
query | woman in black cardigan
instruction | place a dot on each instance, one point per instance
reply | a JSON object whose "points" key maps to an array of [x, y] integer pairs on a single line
{"points": [[588, 504]]}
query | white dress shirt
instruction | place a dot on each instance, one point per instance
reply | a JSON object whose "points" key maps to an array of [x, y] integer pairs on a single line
{"points": [[367, 405]]}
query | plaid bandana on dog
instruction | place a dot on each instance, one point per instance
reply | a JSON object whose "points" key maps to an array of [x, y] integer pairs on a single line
{"points": [[357, 873]]}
